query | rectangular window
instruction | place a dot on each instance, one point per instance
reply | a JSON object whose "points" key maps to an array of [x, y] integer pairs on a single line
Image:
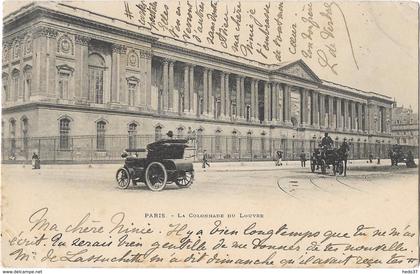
{"points": [[131, 93]]}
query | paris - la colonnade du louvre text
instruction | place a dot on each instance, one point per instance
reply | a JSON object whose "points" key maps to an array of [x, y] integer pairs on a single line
{"points": [[75, 81]]}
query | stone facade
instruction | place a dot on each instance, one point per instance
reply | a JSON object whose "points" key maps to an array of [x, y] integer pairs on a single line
{"points": [[65, 74], [405, 126]]}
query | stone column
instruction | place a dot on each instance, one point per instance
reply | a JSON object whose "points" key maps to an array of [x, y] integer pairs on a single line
{"points": [[186, 94], [165, 79], [331, 112], [286, 103], [256, 101], [191, 91], [353, 115], [365, 118], [242, 97], [339, 121], [304, 106], [322, 110], [238, 96], [274, 101], [222, 95], [171, 86], [280, 106], [210, 92], [227, 96], [81, 75], [266, 102], [115, 74], [315, 109], [252, 100], [205, 92], [147, 55], [359, 117], [346, 115]]}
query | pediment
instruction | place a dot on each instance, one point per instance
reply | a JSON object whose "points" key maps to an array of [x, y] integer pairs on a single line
{"points": [[300, 70]]}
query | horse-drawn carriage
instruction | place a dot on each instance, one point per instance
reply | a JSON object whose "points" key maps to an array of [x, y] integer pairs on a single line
{"points": [[163, 164], [326, 158], [397, 155]]}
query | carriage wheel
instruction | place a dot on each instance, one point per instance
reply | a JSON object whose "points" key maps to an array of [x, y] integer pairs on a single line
{"points": [[156, 176], [186, 180], [123, 178], [312, 166], [323, 167]]}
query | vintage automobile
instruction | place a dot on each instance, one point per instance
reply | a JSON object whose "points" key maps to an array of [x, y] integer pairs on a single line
{"points": [[163, 164], [331, 157], [397, 156]]}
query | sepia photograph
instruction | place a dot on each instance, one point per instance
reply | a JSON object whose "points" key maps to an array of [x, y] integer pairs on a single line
{"points": [[209, 134]]}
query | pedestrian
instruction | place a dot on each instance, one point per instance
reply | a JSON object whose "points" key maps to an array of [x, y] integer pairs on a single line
{"points": [[302, 159], [35, 161], [205, 159], [279, 154], [370, 158], [379, 160]]}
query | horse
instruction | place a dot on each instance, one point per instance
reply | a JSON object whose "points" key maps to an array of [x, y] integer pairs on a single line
{"points": [[341, 156]]}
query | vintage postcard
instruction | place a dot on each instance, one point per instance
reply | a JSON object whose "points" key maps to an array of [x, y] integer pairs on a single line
{"points": [[210, 134]]}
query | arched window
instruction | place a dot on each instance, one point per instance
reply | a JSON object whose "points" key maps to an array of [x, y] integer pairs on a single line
{"points": [[200, 139], [96, 78], [217, 141], [64, 133], [12, 136], [100, 135], [249, 142], [132, 132], [158, 133], [234, 141]]}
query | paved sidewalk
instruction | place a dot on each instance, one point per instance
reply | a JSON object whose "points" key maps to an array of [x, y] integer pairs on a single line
{"points": [[270, 165], [217, 166]]}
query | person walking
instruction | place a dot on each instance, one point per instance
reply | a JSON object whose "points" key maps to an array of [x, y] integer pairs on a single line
{"points": [[279, 154], [302, 159], [205, 159]]}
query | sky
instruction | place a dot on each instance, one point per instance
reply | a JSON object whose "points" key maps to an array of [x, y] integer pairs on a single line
{"points": [[371, 46]]}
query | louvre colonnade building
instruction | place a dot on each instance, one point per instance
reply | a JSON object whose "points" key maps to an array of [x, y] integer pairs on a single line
{"points": [[70, 72]]}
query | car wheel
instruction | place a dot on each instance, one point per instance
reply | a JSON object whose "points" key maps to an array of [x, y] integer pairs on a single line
{"points": [[156, 176], [186, 180], [123, 178]]}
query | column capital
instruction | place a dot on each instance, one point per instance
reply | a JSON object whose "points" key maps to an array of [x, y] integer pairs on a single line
{"points": [[146, 54], [46, 32], [118, 48], [82, 40]]}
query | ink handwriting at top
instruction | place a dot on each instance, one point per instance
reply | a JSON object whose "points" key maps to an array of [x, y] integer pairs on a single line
{"points": [[328, 51], [152, 8], [222, 33], [212, 17], [308, 19], [236, 19]]}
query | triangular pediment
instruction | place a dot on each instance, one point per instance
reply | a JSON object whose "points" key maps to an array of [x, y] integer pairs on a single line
{"points": [[299, 69]]}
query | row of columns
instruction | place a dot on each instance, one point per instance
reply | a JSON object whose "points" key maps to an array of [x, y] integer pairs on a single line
{"points": [[353, 116]]}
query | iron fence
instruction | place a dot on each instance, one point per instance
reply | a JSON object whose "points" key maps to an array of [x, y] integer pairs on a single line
{"points": [[90, 149]]}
